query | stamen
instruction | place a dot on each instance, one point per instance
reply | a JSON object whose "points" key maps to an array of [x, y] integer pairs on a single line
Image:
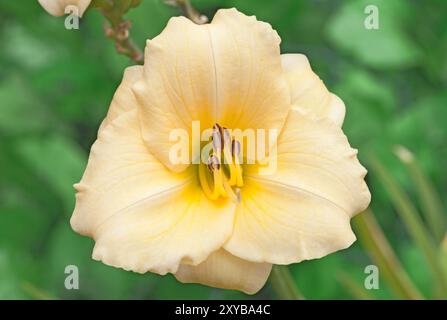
{"points": [[217, 140], [226, 137], [235, 168], [235, 148], [218, 188], [218, 137], [235, 196], [221, 185], [213, 163], [238, 174]]}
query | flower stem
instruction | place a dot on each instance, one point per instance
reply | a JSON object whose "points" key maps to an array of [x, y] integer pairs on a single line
{"points": [[117, 28], [283, 284], [188, 10]]}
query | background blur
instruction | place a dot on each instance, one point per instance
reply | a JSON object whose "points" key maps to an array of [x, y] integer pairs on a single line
{"points": [[56, 86]]}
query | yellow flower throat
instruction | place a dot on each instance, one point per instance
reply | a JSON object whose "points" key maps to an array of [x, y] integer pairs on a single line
{"points": [[222, 178]]}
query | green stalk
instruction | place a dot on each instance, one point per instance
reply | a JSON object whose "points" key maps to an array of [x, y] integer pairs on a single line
{"points": [[374, 241], [431, 204], [283, 284], [356, 290], [188, 10], [117, 28], [414, 224], [36, 293]]}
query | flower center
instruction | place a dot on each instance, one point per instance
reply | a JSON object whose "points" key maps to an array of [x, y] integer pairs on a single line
{"points": [[222, 175]]}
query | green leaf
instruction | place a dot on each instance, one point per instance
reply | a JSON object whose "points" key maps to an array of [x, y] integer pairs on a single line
{"points": [[95, 278], [9, 283], [365, 96], [57, 160], [387, 47], [21, 112], [317, 278], [421, 128], [13, 218]]}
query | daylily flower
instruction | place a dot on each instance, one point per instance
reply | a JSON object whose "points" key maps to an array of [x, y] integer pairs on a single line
{"points": [[147, 214], [57, 7]]}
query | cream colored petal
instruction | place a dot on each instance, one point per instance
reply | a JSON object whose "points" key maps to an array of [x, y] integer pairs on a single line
{"points": [[308, 92], [303, 210], [120, 172], [314, 155], [119, 162], [227, 72], [142, 216], [124, 98], [252, 91], [223, 270], [282, 225], [162, 231], [57, 7]]}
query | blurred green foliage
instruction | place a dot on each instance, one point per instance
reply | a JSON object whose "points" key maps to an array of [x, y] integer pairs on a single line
{"points": [[56, 85]]}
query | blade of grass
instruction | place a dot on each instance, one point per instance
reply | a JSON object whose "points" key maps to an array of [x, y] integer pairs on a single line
{"points": [[283, 284], [414, 224], [444, 251], [374, 241], [36, 293], [431, 204], [356, 290]]}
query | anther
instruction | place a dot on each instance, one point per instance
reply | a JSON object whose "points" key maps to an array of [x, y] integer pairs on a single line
{"points": [[235, 147], [213, 163], [217, 141], [226, 135], [218, 136]]}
